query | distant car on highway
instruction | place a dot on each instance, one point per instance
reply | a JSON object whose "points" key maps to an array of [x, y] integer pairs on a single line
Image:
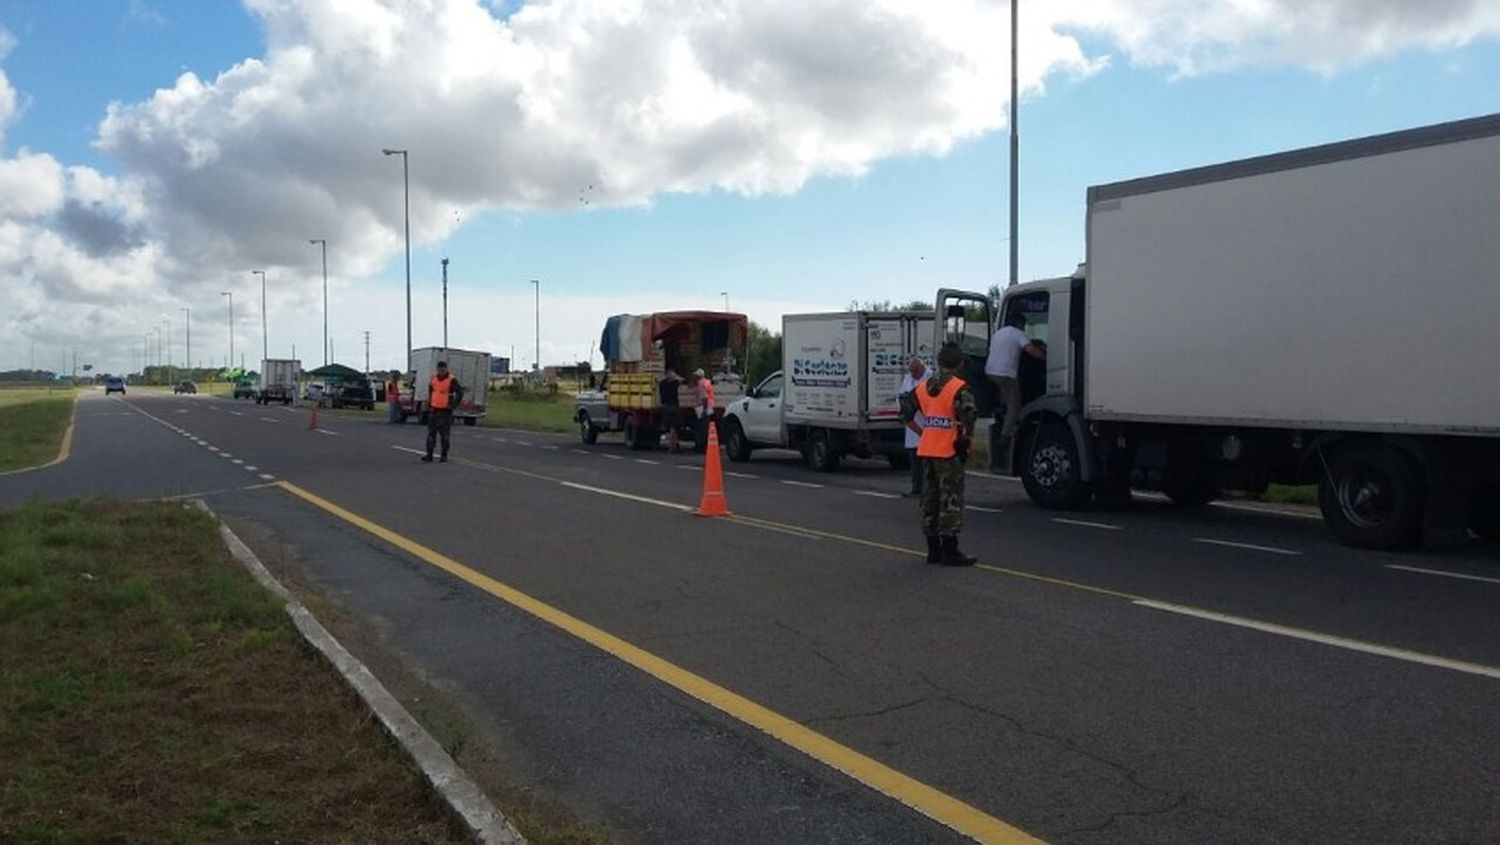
{"points": [[314, 391], [244, 389], [185, 386], [114, 384]]}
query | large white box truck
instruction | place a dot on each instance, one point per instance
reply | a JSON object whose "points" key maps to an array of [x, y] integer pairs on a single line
{"points": [[836, 393], [471, 369], [1327, 316], [279, 378]]}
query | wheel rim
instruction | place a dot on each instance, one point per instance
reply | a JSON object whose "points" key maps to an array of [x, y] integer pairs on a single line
{"points": [[1050, 465], [583, 425], [1366, 499]]}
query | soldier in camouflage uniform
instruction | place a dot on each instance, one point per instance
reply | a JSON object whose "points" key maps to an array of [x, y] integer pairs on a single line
{"points": [[946, 438]]}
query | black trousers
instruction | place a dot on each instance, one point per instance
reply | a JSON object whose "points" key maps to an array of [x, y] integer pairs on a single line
{"points": [[439, 424]]}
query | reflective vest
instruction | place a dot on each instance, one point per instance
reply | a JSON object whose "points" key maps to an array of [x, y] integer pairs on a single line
{"points": [[439, 397], [940, 431], [392, 391], [708, 393]]}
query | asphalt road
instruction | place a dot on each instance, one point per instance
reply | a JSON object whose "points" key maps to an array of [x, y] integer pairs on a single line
{"points": [[1147, 674]]}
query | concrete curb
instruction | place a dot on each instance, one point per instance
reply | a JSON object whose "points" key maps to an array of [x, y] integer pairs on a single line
{"points": [[463, 797]]}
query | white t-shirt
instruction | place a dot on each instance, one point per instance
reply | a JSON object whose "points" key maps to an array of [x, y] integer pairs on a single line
{"points": [[1005, 352], [908, 384]]}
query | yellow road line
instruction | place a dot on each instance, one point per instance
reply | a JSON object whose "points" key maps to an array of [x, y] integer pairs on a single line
{"points": [[63, 451], [938, 806]]}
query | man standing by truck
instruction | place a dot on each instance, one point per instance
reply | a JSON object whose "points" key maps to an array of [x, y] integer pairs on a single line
{"points": [[1003, 366], [393, 398], [947, 405], [705, 397], [443, 395], [917, 375]]}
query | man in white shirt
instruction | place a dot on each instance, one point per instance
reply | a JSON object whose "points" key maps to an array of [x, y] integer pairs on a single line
{"points": [[916, 374], [1004, 362]]}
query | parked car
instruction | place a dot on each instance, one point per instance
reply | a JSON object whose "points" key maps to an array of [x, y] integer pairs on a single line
{"points": [[244, 389], [353, 395], [114, 384], [185, 386], [314, 391]]}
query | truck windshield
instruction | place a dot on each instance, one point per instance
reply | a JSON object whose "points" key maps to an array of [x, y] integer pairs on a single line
{"points": [[1033, 307]]}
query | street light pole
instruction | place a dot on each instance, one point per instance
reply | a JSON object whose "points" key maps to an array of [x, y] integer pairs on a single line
{"points": [[725, 294], [187, 327], [230, 363], [324, 244], [538, 361], [406, 213], [265, 342], [1015, 150], [445, 303]]}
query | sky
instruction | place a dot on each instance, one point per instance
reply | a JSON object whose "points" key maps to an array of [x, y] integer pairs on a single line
{"points": [[782, 156]]}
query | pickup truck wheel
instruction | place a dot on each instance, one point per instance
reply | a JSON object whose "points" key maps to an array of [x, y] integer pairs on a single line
{"points": [[586, 429], [637, 438], [1052, 473], [736, 444], [471, 421], [820, 453], [1371, 497], [1484, 519]]}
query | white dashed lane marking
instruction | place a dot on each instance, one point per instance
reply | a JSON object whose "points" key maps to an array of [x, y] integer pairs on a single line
{"points": [[1081, 523], [801, 483], [646, 461], [1250, 546], [267, 476], [981, 509], [1443, 573], [744, 475], [876, 495]]}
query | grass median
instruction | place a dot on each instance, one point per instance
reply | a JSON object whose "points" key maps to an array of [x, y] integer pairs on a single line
{"points": [[33, 421], [532, 411], [150, 691]]}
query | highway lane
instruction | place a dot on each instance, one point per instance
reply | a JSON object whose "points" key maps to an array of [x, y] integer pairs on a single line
{"points": [[1055, 708]]}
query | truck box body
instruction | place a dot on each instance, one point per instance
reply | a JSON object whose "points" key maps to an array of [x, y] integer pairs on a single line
{"points": [[1349, 287], [843, 370], [472, 369], [279, 379]]}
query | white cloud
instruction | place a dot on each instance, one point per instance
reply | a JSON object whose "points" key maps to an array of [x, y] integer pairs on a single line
{"points": [[527, 108]]}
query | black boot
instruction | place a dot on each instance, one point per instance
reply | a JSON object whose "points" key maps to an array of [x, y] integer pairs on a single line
{"points": [[934, 549], [443, 459], [426, 459], [952, 556]]}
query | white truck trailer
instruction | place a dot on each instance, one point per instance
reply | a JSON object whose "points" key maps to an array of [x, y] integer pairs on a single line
{"points": [[279, 378], [836, 392], [1324, 316], [472, 369]]}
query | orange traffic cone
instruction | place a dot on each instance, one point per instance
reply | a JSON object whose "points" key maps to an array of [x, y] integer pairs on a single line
{"points": [[312, 422], [713, 503]]}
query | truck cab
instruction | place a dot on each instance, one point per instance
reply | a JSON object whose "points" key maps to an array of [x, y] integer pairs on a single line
{"points": [[756, 419]]}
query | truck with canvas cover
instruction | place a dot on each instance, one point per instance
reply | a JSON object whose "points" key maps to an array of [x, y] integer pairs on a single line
{"points": [[1323, 316], [639, 350]]}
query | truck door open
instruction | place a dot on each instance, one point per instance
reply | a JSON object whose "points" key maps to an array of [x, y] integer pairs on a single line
{"points": [[966, 320]]}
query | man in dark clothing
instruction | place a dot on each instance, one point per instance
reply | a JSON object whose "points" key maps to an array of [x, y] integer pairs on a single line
{"points": [[444, 394], [671, 414], [947, 405]]}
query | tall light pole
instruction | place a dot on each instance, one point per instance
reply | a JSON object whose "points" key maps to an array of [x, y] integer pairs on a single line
{"points": [[445, 303], [265, 343], [725, 294], [406, 214], [230, 364], [538, 362], [1015, 150], [166, 352], [324, 244], [187, 329]]}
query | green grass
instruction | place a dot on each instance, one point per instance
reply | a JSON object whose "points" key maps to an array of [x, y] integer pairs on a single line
{"points": [[150, 691], [534, 411], [1286, 494], [32, 423]]}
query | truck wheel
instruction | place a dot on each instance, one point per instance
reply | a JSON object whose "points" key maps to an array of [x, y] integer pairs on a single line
{"points": [[586, 429], [471, 421], [1484, 519], [1371, 497], [638, 438], [899, 460], [1053, 474], [735, 442], [820, 453], [1191, 488]]}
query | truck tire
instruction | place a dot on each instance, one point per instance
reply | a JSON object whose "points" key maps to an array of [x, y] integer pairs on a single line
{"points": [[820, 453], [471, 421], [1371, 497], [899, 460], [1052, 472], [586, 429], [1192, 488], [636, 437], [736, 444], [1484, 518]]}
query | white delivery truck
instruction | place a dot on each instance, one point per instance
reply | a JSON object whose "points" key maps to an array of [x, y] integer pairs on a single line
{"points": [[472, 369], [279, 378], [1320, 316], [836, 392]]}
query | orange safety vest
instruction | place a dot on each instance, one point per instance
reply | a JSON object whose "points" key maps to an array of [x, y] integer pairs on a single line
{"points": [[392, 391], [708, 392], [940, 429], [439, 398]]}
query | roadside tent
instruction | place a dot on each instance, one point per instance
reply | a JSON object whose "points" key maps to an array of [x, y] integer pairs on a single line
{"points": [[337, 374]]}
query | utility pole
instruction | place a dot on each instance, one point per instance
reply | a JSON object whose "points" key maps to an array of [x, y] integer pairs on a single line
{"points": [[1015, 149], [230, 363], [367, 353], [537, 364], [327, 349], [187, 325], [265, 343], [445, 304], [406, 214]]}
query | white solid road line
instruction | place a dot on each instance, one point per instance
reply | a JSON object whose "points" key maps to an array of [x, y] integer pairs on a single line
{"points": [[1251, 546], [800, 483], [1104, 525], [991, 476], [876, 494], [1327, 639], [1443, 573], [982, 509], [630, 496], [408, 449]]}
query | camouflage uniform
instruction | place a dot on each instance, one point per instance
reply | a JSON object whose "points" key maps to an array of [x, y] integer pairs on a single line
{"points": [[943, 487]]}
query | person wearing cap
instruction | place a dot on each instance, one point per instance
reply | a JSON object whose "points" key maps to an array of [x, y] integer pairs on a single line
{"points": [[947, 406], [671, 413], [444, 394], [705, 408], [917, 375], [393, 397]]}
